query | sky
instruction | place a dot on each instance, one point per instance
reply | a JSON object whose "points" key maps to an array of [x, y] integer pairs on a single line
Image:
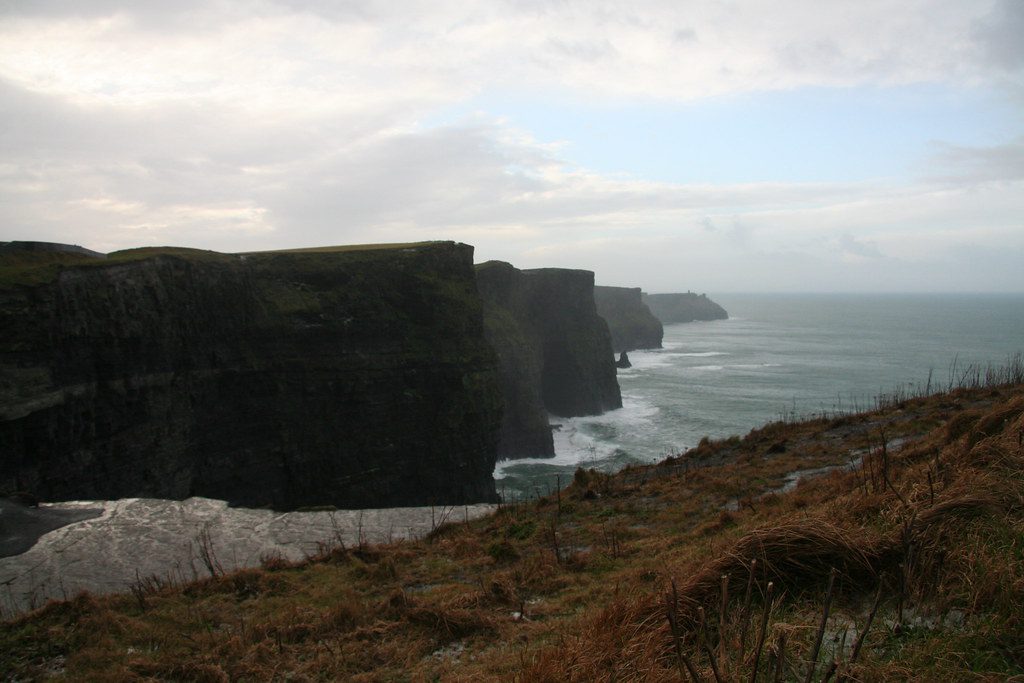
{"points": [[705, 145]]}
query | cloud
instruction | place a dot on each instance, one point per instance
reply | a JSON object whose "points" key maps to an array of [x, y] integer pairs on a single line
{"points": [[999, 34], [281, 123], [858, 249], [264, 52], [995, 162]]}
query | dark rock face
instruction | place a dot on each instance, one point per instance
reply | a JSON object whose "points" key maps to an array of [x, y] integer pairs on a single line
{"points": [[623, 361], [355, 378], [554, 350], [578, 375], [525, 432], [631, 323], [683, 308]]}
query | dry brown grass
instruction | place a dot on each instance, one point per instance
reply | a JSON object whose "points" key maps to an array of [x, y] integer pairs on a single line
{"points": [[917, 549], [581, 588]]}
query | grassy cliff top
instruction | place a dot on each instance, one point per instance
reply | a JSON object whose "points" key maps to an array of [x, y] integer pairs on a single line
{"points": [[26, 266], [139, 253], [906, 532], [353, 247]]}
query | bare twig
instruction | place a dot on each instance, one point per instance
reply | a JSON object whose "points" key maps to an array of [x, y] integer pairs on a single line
{"points": [[764, 627], [821, 627], [207, 554], [857, 644], [683, 661], [780, 661], [702, 639], [745, 616], [721, 626]]}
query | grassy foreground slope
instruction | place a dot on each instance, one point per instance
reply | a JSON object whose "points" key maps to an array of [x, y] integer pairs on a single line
{"points": [[903, 559]]}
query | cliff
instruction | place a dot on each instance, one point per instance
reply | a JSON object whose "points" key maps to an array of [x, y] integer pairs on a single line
{"points": [[683, 308], [357, 377], [554, 351], [630, 321]]}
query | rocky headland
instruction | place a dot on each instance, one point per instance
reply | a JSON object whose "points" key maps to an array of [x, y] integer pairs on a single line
{"points": [[555, 351], [630, 321], [683, 308], [354, 376]]}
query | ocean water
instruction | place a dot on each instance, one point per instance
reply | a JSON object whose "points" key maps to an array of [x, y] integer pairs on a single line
{"points": [[776, 355]]}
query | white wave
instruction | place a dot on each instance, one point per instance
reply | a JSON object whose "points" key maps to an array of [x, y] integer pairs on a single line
{"points": [[642, 360], [658, 358], [712, 368], [574, 445], [669, 345]]}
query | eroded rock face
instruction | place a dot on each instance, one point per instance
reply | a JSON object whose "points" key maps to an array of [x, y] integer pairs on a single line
{"points": [[683, 308], [555, 351], [355, 378], [631, 323]]}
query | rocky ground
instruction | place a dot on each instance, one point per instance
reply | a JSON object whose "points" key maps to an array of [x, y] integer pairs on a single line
{"points": [[107, 546]]}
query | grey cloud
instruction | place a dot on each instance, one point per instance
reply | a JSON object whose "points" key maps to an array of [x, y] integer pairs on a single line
{"points": [[587, 51], [194, 16], [339, 10], [1001, 34], [684, 36], [958, 163], [435, 179], [93, 8], [815, 53], [173, 153], [153, 15], [862, 248]]}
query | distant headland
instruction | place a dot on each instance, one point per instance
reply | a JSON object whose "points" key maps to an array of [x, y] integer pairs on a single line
{"points": [[683, 308]]}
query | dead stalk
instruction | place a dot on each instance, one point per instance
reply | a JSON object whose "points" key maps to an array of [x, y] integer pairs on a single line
{"points": [[780, 661], [821, 627], [857, 644], [721, 626], [682, 660], [745, 616], [764, 627], [702, 638]]}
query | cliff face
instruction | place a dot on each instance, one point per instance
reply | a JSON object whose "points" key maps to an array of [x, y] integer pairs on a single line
{"points": [[683, 308], [579, 369], [554, 350], [630, 322], [525, 432], [358, 378]]}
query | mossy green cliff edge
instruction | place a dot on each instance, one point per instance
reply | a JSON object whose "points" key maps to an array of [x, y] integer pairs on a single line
{"points": [[356, 377]]}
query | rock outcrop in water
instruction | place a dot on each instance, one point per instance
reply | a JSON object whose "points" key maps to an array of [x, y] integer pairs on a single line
{"points": [[554, 350], [356, 377], [630, 322], [683, 308]]}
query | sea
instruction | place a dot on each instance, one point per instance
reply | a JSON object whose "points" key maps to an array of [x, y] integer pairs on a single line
{"points": [[777, 356]]}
